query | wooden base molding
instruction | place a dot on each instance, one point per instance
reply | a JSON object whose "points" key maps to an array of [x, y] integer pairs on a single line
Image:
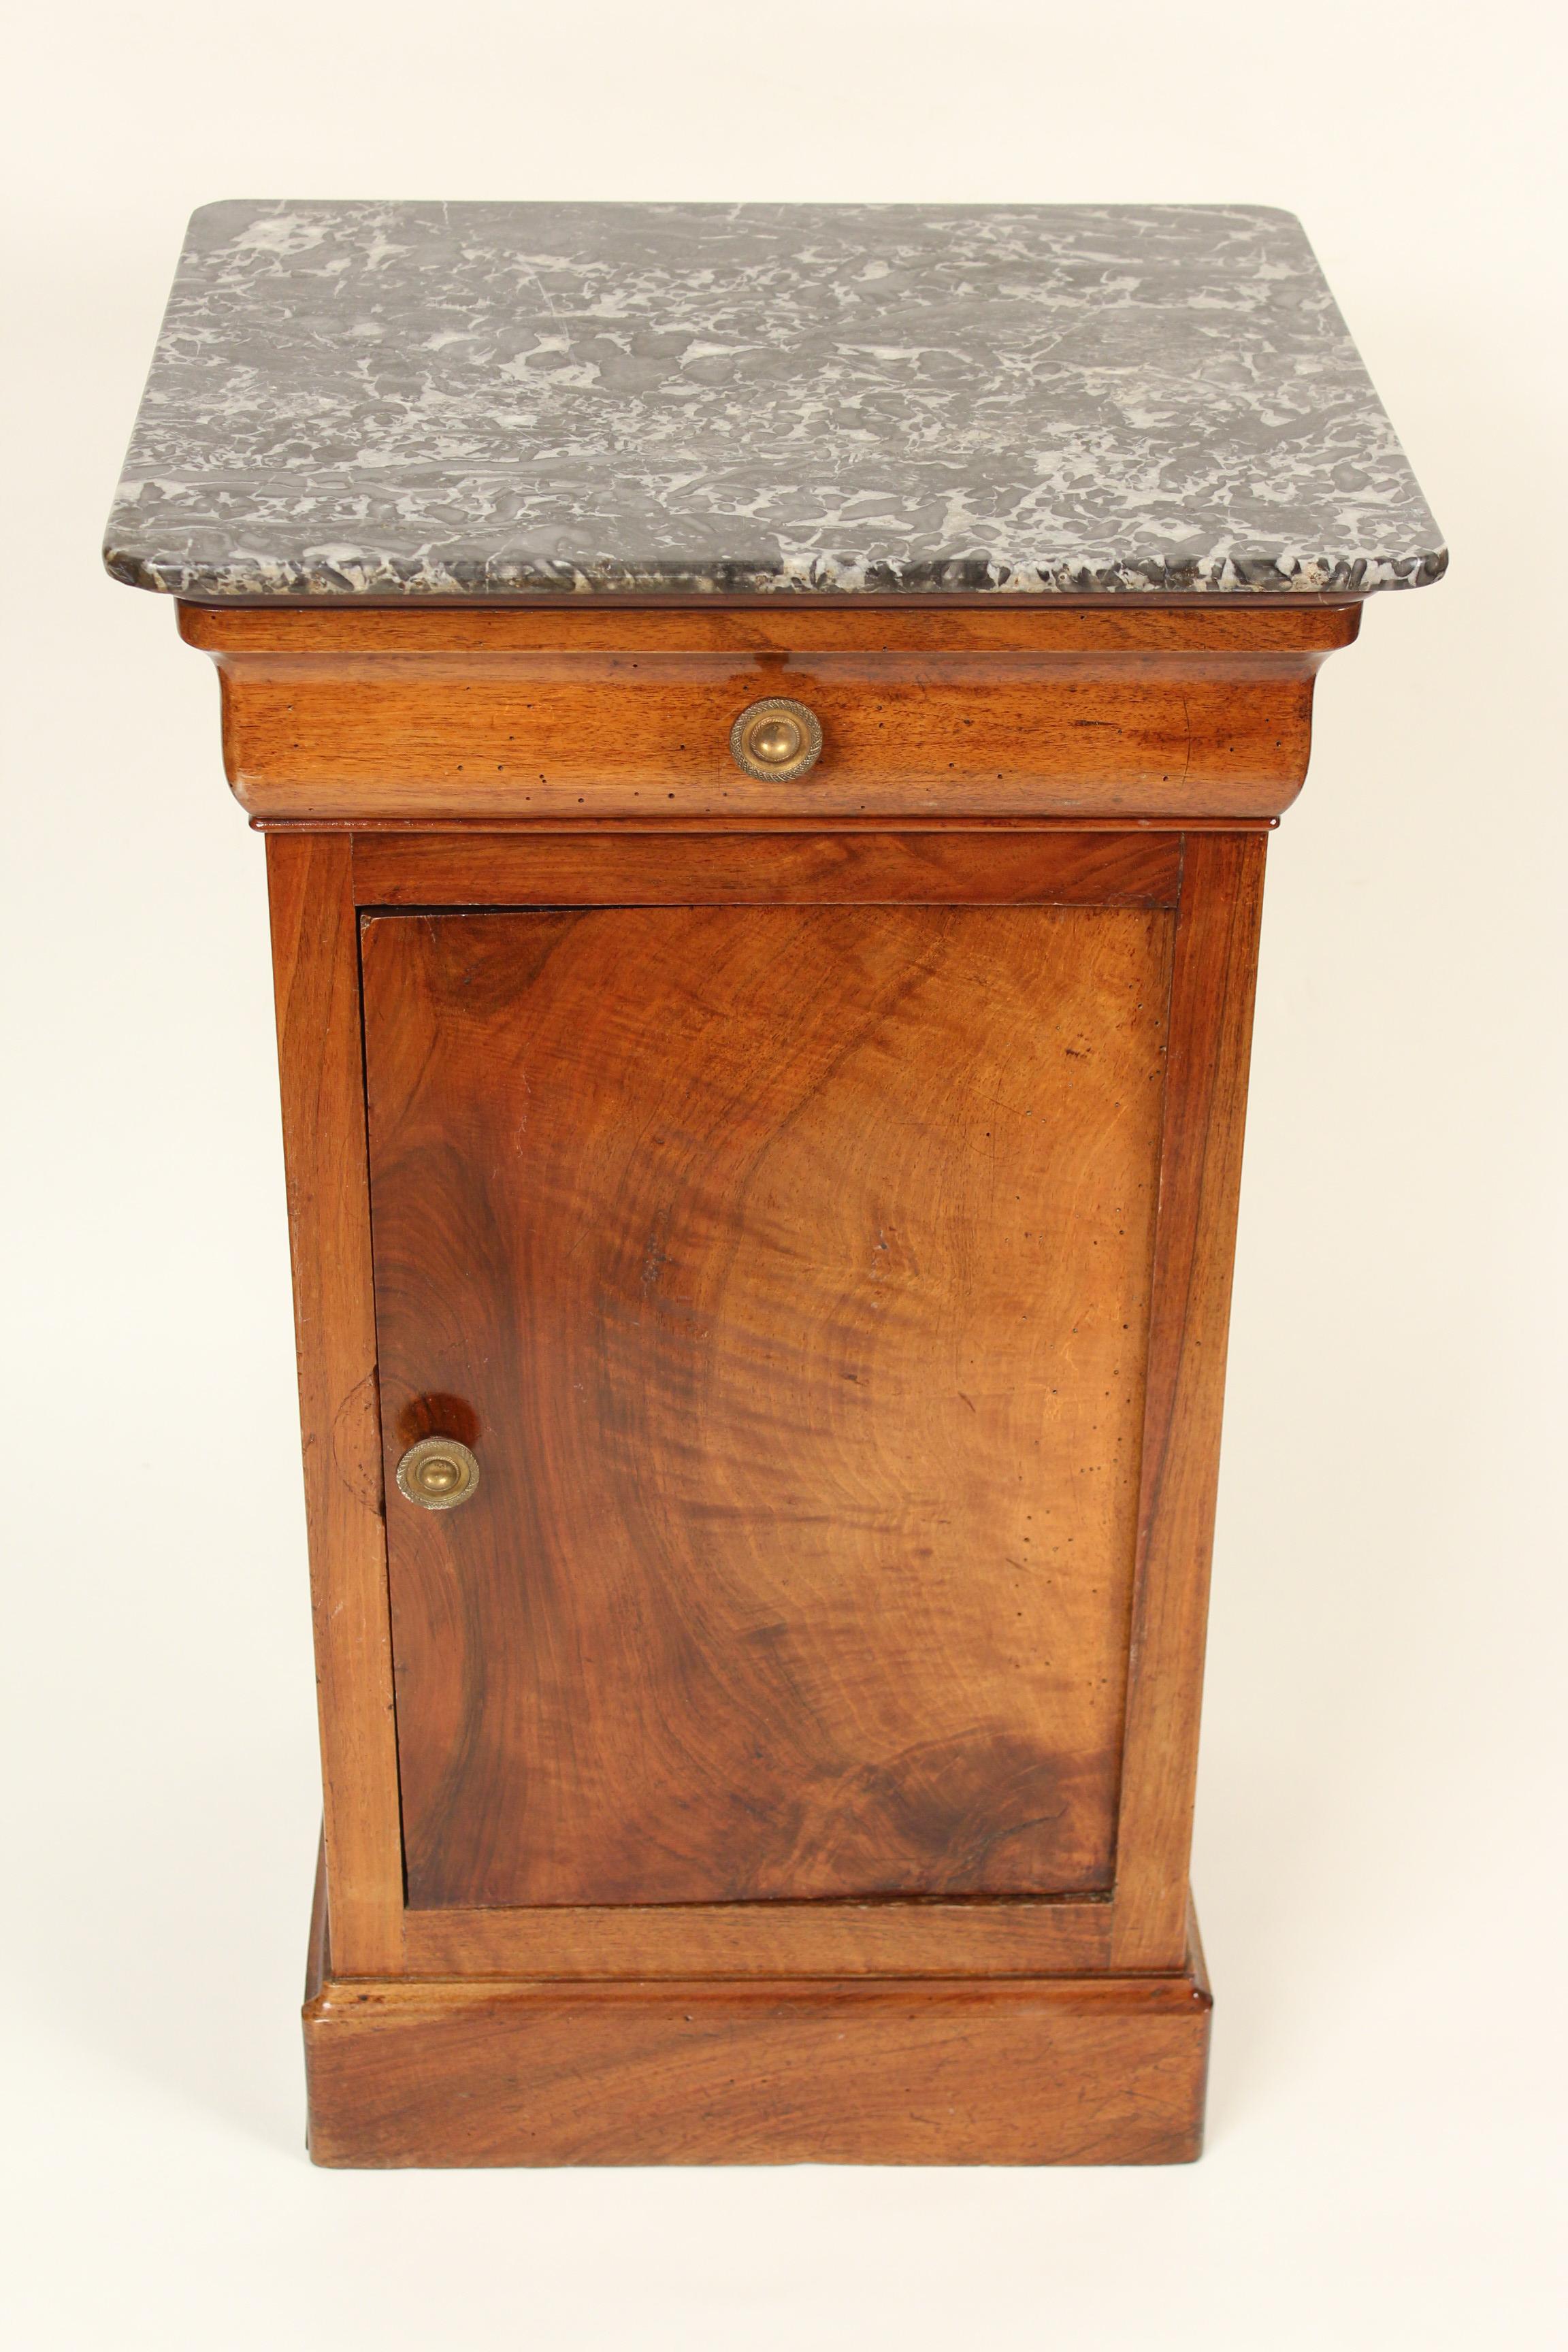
{"points": [[1051, 2070]]}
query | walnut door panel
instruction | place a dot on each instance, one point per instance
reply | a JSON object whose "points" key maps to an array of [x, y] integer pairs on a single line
{"points": [[787, 1268]]}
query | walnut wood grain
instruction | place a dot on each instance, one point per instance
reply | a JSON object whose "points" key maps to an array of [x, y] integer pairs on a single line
{"points": [[547, 735], [793, 1265], [1056, 2070], [1211, 1033], [1015, 1936], [425, 715], [796, 1203], [749, 829], [781, 624], [1040, 868], [316, 973]]}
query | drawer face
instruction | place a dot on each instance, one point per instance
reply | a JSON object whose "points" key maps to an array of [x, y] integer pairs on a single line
{"points": [[787, 1270], [547, 737]]}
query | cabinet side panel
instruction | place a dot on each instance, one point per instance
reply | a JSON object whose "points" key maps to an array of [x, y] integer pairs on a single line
{"points": [[1212, 995], [316, 974]]}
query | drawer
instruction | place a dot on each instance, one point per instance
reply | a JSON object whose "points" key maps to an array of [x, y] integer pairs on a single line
{"points": [[370, 717]]}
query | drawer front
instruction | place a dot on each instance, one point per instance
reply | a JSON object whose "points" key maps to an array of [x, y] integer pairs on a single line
{"points": [[553, 736], [787, 1271]]}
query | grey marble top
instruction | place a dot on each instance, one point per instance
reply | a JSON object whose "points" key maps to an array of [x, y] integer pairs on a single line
{"points": [[493, 400]]}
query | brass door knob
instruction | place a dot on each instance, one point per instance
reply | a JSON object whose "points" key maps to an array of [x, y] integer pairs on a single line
{"points": [[777, 741], [437, 1474]]}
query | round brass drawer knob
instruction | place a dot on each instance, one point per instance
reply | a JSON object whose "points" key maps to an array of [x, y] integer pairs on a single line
{"points": [[437, 1474], [777, 741]]}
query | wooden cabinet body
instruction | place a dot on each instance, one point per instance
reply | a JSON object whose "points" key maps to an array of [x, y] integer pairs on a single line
{"points": [[812, 1204]]}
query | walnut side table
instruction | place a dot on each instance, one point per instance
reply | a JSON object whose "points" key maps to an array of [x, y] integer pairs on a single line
{"points": [[766, 721]]}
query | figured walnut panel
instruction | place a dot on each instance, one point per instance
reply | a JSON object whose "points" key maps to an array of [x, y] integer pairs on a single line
{"points": [[791, 1266]]}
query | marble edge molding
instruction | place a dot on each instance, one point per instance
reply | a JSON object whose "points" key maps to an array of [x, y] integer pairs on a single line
{"points": [[320, 576], [487, 401]]}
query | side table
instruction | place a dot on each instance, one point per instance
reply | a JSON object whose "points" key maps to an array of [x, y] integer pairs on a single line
{"points": [[766, 721]]}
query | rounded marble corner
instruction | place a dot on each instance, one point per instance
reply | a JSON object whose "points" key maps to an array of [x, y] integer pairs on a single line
{"points": [[1272, 213], [127, 569], [225, 214]]}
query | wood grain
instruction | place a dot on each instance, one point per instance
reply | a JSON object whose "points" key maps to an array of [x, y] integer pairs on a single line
{"points": [[316, 974], [1063, 2071], [1010, 1936], [547, 716], [793, 1266], [1211, 1035], [1032, 868], [792, 1197], [561, 734], [782, 624]]}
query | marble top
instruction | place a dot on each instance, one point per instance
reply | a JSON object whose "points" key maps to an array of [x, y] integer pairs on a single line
{"points": [[503, 399]]}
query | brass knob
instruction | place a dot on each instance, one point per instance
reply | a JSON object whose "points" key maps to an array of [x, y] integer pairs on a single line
{"points": [[777, 741], [437, 1474]]}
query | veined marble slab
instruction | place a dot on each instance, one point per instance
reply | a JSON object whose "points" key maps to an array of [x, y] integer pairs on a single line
{"points": [[495, 400]]}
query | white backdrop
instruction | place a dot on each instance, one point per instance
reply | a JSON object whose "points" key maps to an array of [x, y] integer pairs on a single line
{"points": [[1384, 1919]]}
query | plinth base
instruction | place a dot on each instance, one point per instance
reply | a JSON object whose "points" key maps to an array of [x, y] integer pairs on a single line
{"points": [[1050, 2070]]}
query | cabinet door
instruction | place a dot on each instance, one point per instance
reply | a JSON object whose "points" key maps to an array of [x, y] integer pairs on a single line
{"points": [[787, 1269]]}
